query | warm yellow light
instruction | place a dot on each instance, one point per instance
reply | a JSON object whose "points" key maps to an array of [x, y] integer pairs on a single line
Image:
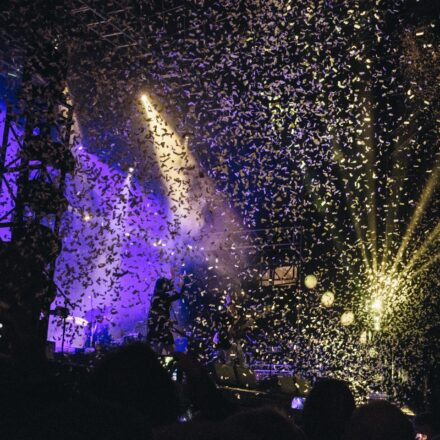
{"points": [[376, 323], [408, 411], [327, 299], [310, 281], [347, 318], [364, 337], [376, 305]]}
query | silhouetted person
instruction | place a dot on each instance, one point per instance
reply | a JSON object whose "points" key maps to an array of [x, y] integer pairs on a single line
{"points": [[207, 401], [257, 424], [160, 326], [426, 426], [82, 417], [379, 420], [230, 336], [327, 410], [195, 430], [132, 376], [265, 424]]}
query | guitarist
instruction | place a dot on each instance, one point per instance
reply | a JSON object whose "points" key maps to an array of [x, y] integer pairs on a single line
{"points": [[230, 335]]}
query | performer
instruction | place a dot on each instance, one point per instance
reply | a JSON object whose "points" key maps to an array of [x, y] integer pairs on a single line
{"points": [[231, 335], [160, 326]]}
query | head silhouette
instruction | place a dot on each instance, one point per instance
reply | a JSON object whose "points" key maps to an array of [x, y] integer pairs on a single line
{"points": [[132, 376], [327, 410], [264, 424], [379, 420], [162, 285]]}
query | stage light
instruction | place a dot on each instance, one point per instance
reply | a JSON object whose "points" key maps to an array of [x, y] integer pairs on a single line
{"points": [[327, 299], [297, 403], [376, 305], [347, 318], [131, 169], [87, 217], [177, 169], [310, 281]]}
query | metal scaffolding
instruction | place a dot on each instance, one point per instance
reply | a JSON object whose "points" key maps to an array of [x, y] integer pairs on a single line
{"points": [[35, 158]]}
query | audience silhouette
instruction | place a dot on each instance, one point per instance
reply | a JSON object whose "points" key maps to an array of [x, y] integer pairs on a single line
{"points": [[379, 420], [327, 410]]}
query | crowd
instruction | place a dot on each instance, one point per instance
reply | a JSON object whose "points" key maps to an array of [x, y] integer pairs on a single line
{"points": [[129, 394]]}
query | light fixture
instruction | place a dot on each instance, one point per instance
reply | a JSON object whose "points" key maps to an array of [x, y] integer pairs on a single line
{"points": [[310, 281], [347, 318], [328, 299]]}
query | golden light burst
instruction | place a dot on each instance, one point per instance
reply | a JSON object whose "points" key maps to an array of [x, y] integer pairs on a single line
{"points": [[391, 261]]}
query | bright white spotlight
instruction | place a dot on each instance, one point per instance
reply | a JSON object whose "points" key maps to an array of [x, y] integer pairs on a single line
{"points": [[131, 169], [376, 305], [310, 281]]}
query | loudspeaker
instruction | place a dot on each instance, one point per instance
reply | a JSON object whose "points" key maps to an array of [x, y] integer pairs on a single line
{"points": [[225, 375], [246, 378]]}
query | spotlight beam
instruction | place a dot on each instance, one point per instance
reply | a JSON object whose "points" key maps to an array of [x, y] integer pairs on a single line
{"points": [[434, 259], [370, 187], [175, 162], [418, 213], [430, 239], [351, 198], [395, 188]]}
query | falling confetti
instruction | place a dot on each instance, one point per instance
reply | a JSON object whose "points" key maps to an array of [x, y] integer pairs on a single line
{"points": [[281, 132]]}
